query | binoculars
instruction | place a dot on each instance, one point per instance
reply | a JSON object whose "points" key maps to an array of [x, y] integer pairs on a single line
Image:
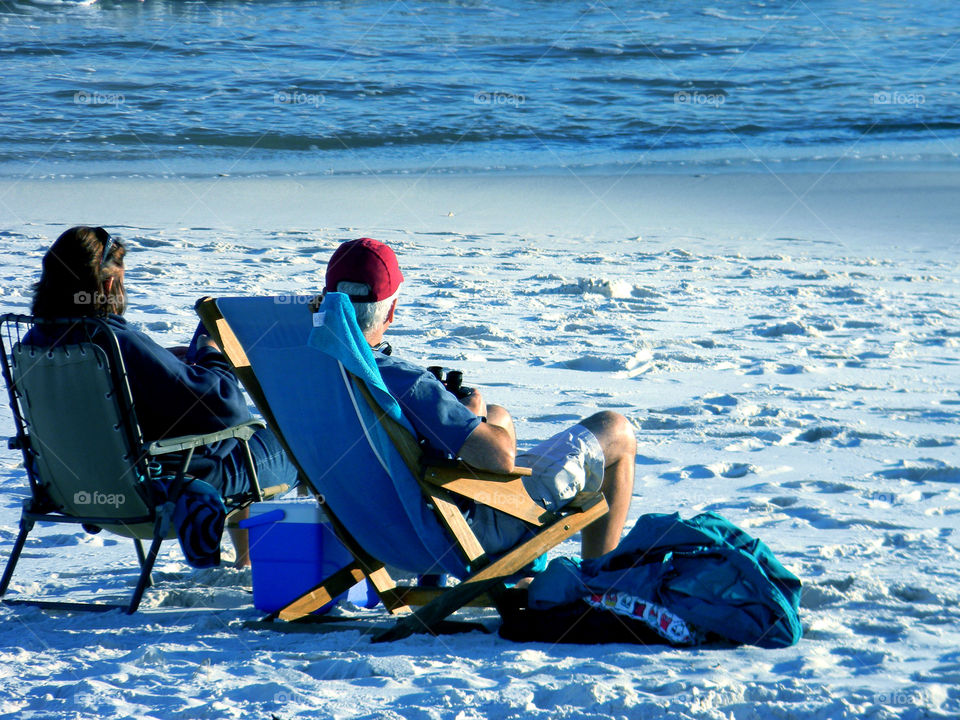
{"points": [[452, 380]]}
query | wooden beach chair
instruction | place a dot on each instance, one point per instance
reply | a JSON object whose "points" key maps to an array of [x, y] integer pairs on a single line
{"points": [[314, 380], [83, 451]]}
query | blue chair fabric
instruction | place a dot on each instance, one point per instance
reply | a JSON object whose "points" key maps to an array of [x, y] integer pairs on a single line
{"points": [[308, 377]]}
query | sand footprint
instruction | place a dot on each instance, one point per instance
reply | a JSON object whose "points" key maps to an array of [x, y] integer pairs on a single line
{"points": [[701, 472], [923, 470]]}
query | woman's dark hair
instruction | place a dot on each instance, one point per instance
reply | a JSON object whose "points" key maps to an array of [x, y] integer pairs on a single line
{"points": [[75, 273]]}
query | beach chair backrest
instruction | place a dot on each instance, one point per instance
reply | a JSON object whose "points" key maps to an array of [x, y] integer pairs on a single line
{"points": [[334, 434], [82, 449]]}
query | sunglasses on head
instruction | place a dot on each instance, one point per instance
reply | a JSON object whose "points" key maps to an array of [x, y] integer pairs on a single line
{"points": [[108, 242]]}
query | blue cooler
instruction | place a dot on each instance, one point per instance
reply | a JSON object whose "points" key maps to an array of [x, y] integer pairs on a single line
{"points": [[293, 549]]}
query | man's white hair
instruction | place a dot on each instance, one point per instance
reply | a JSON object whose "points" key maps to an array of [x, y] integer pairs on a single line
{"points": [[370, 315]]}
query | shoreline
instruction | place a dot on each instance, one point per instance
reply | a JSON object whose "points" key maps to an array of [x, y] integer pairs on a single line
{"points": [[693, 162], [902, 209], [442, 160]]}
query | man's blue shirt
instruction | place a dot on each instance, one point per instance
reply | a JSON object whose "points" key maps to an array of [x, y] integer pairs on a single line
{"points": [[439, 418]]}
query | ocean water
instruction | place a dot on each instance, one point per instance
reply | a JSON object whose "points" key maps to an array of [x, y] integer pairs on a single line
{"points": [[234, 87]]}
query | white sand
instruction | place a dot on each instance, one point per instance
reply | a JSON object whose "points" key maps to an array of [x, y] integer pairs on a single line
{"points": [[787, 348]]}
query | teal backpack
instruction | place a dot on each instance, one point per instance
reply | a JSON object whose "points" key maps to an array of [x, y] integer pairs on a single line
{"points": [[688, 581]]}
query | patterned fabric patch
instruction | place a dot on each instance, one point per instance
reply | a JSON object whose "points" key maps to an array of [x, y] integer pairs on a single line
{"points": [[668, 625]]}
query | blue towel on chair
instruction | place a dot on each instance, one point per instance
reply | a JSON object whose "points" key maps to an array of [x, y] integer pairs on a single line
{"points": [[337, 334]]}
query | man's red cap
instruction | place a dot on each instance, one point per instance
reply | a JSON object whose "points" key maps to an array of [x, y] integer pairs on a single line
{"points": [[365, 261]]}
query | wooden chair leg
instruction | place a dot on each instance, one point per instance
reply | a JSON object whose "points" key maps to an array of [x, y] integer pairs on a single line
{"points": [[375, 571], [490, 578], [319, 595], [339, 583], [431, 615]]}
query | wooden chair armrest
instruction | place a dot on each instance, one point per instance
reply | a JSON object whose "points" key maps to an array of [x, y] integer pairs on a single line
{"points": [[503, 492], [437, 473]]}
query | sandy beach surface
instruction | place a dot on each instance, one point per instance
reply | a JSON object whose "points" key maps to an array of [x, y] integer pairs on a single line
{"points": [[786, 346]]}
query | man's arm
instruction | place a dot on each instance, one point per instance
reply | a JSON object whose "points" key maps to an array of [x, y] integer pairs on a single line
{"points": [[493, 444]]}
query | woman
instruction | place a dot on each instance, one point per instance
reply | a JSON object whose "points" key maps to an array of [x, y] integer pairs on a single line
{"points": [[83, 274]]}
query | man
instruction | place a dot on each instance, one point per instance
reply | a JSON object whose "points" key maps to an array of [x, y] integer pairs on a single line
{"points": [[598, 453]]}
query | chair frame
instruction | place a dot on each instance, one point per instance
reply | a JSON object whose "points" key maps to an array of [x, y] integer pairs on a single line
{"points": [[486, 585], [157, 524]]}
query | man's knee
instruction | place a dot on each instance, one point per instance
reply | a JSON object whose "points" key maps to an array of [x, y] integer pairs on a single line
{"points": [[498, 415], [496, 411], [614, 431]]}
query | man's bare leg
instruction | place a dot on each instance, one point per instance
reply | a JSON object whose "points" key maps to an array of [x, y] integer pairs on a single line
{"points": [[240, 539], [619, 444]]}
